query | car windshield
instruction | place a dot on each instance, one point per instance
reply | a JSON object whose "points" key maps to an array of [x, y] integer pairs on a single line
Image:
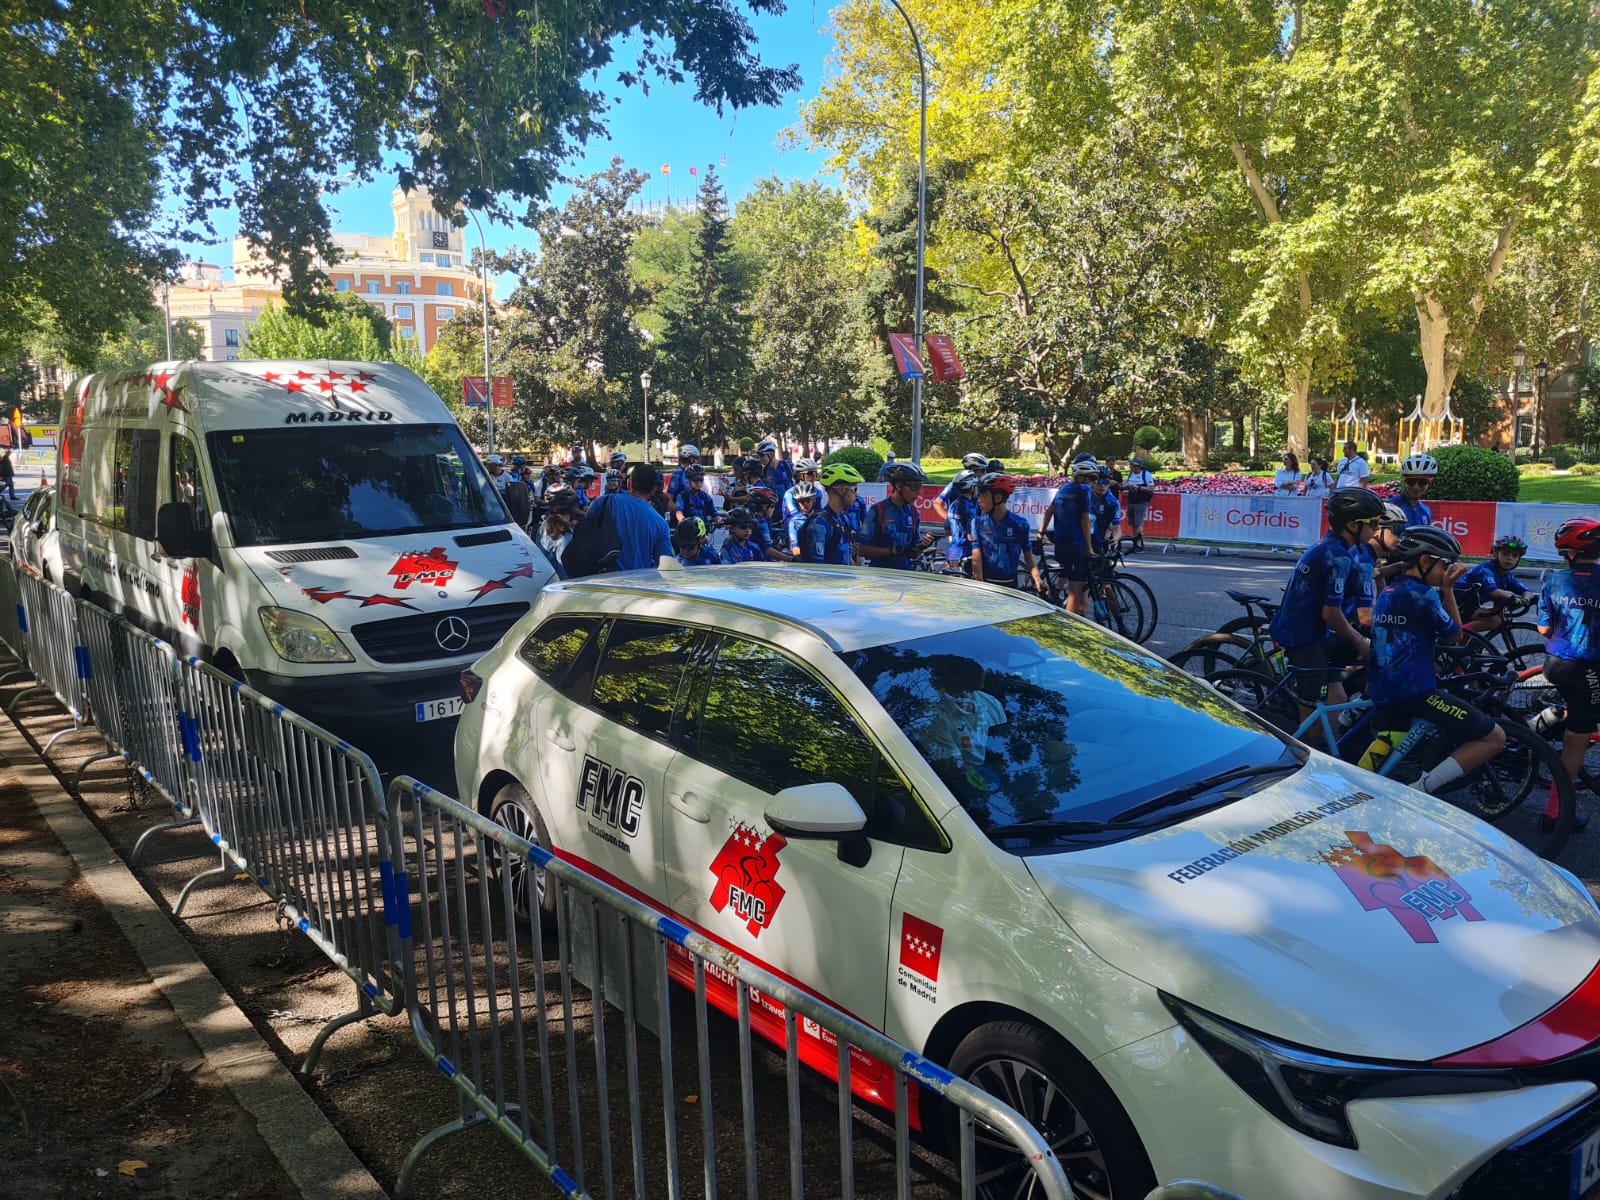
{"points": [[322, 483], [1047, 722]]}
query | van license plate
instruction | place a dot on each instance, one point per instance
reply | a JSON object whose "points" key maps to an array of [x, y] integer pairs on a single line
{"points": [[1586, 1167], [438, 710]]}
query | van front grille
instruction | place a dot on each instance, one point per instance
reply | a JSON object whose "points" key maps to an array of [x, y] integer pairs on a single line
{"points": [[415, 639]]}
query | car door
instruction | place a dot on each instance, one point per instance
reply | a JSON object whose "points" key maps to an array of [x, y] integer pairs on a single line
{"points": [[605, 751], [758, 721]]}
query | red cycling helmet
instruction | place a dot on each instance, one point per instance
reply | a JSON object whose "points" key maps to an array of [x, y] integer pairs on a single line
{"points": [[1581, 535], [995, 482]]}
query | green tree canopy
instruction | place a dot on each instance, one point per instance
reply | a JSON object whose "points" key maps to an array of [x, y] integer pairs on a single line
{"points": [[350, 329]]}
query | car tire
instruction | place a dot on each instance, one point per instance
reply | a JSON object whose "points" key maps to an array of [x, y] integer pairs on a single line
{"points": [[1037, 1073], [512, 808]]}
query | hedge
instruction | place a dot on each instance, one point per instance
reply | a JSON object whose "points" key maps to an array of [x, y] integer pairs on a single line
{"points": [[1472, 473], [862, 458]]}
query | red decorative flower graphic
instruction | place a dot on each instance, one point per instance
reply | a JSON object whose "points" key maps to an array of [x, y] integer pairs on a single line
{"points": [[189, 596], [744, 868], [423, 566], [1411, 887]]}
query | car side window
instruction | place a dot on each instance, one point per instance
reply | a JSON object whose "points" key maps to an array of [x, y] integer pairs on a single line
{"points": [[768, 721], [552, 648], [639, 674]]}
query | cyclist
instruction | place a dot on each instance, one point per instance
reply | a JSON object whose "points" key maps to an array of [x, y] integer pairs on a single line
{"points": [[805, 499], [960, 514], [549, 479], [695, 501], [1418, 473], [1070, 513], [689, 540], [1105, 512], [1312, 617], [618, 462], [688, 458], [555, 531], [1569, 616], [975, 463], [613, 481], [1409, 619], [891, 532], [496, 466], [1492, 585], [1002, 540], [741, 546], [805, 471], [581, 478], [826, 536], [775, 473], [774, 540]]}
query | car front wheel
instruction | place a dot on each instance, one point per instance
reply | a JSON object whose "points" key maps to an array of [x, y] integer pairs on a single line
{"points": [[1037, 1073], [514, 809]]}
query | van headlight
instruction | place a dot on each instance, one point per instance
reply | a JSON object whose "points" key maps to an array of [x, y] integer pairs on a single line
{"points": [[1309, 1089], [301, 638]]}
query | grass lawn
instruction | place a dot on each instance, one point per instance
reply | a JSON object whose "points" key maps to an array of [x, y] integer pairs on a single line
{"points": [[1560, 489], [943, 470]]}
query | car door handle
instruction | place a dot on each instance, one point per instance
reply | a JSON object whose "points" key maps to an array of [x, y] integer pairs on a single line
{"points": [[689, 805], [560, 740]]}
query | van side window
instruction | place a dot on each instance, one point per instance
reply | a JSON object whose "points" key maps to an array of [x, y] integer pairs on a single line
{"points": [[134, 468], [186, 485]]}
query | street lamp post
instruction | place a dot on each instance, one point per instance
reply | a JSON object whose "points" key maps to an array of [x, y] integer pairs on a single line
{"points": [[488, 379], [922, 226], [1541, 373], [166, 309], [644, 382], [1519, 360]]}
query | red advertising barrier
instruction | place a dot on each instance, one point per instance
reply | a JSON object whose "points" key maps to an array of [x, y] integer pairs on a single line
{"points": [[1472, 522], [1160, 518]]}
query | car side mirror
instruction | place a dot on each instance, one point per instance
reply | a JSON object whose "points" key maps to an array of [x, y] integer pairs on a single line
{"points": [[823, 812], [176, 536]]}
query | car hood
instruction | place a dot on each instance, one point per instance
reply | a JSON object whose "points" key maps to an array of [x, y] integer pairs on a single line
{"points": [[351, 581], [1336, 910]]}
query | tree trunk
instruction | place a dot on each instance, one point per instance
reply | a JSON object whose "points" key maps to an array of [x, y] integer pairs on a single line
{"points": [[1255, 431], [1441, 365], [1238, 435], [1298, 417], [1194, 438]]}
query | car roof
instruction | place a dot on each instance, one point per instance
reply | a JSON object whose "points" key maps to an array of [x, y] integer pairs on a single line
{"points": [[847, 607]]}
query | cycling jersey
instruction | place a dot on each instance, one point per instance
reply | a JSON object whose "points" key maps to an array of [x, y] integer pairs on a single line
{"points": [[1321, 579], [1408, 620], [778, 478], [735, 551], [1358, 592], [703, 557], [762, 532], [856, 515], [1416, 514], [1071, 501], [1473, 588], [698, 504], [792, 526], [1002, 544], [824, 537], [1569, 606], [958, 520], [679, 483], [1106, 514], [889, 525]]}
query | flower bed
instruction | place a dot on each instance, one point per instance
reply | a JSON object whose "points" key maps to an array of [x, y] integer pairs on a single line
{"points": [[1214, 485]]}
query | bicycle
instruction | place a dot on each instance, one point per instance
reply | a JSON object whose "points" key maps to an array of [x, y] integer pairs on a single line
{"points": [[1119, 601], [1526, 765], [1244, 643]]}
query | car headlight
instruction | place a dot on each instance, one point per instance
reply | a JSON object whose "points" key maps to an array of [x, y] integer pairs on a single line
{"points": [[1308, 1089], [301, 638]]}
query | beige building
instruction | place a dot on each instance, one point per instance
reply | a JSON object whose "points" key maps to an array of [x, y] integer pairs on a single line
{"points": [[221, 309]]}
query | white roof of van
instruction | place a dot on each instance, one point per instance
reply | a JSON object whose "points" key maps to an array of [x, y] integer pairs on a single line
{"points": [[261, 394]]}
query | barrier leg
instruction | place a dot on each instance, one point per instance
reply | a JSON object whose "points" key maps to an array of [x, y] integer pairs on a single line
{"points": [[361, 1013], [18, 698], [183, 896], [20, 669], [138, 847], [77, 778], [402, 1185], [61, 733]]}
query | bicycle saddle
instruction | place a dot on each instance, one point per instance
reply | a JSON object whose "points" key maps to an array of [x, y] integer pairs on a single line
{"points": [[1246, 598]]}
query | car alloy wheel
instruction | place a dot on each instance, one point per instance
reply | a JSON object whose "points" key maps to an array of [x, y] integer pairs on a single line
{"points": [[513, 809]]}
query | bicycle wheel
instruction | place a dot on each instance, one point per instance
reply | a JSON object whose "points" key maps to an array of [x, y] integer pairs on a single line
{"points": [[1119, 609], [1531, 694], [1215, 652], [1526, 767], [1147, 626], [1269, 699]]}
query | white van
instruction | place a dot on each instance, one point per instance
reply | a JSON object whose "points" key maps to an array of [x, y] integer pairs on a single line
{"points": [[321, 530]]}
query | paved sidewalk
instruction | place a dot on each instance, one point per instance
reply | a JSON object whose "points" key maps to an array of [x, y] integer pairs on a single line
{"points": [[125, 1069]]}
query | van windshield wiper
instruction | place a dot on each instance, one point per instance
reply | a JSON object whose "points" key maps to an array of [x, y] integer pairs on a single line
{"points": [[1189, 791]]}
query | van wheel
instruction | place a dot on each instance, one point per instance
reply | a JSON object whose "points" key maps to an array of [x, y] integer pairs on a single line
{"points": [[1037, 1073], [229, 666], [515, 810]]}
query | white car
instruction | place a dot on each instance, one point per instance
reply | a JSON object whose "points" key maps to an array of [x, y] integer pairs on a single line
{"points": [[1183, 945], [34, 539]]}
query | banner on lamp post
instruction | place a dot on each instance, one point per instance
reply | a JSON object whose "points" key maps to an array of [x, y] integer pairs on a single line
{"points": [[473, 391], [907, 358], [500, 392], [943, 361]]}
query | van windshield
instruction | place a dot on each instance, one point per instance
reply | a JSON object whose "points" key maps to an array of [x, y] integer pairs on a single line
{"points": [[322, 484]]}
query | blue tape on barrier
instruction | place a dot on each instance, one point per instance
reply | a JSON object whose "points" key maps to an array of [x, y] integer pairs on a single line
{"points": [[564, 1181], [238, 685], [190, 730], [22, 619], [371, 990], [923, 1071], [447, 1067], [304, 925], [539, 856], [261, 882], [673, 931], [386, 879], [402, 891], [216, 839], [277, 710], [344, 746], [85, 670]]}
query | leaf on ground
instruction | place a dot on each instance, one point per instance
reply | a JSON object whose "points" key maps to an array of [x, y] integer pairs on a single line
{"points": [[243, 877], [131, 1166], [691, 1099]]}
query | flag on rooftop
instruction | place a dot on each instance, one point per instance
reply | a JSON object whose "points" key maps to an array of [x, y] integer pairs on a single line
{"points": [[666, 168]]}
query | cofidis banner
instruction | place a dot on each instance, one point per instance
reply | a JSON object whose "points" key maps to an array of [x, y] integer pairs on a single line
{"points": [[1256, 520]]}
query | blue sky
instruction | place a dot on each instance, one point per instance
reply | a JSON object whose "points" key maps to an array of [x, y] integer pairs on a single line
{"points": [[667, 126]]}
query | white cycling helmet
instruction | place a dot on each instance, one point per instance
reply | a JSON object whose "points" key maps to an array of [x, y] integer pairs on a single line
{"points": [[976, 462], [805, 490], [1420, 464], [767, 447], [1395, 517], [688, 451], [802, 465], [1085, 465]]}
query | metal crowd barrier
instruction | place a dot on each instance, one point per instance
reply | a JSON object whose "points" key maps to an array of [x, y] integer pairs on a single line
{"points": [[503, 1023], [13, 619], [55, 657]]}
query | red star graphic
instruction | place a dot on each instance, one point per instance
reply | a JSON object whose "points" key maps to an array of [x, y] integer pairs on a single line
{"points": [[525, 571], [365, 376], [271, 377], [482, 590], [169, 397], [397, 601], [323, 595], [334, 375], [358, 387], [294, 387], [304, 375], [159, 382], [324, 385]]}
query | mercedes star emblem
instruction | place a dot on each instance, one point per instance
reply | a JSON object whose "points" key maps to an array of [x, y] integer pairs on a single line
{"points": [[452, 634]]}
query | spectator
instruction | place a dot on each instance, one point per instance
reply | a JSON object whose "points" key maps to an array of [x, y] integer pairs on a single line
{"points": [[8, 474], [1286, 481], [1352, 470], [641, 529], [883, 471], [1140, 490], [1318, 483], [555, 531]]}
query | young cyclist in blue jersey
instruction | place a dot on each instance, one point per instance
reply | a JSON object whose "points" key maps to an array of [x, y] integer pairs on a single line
{"points": [[806, 499], [1070, 514], [774, 539], [696, 501], [775, 472], [960, 514], [741, 546], [1002, 540], [688, 459], [1105, 513], [892, 531], [805, 471], [975, 464], [1569, 616], [689, 539], [1491, 588], [1314, 602], [826, 536], [581, 479], [1418, 473], [1411, 617]]}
